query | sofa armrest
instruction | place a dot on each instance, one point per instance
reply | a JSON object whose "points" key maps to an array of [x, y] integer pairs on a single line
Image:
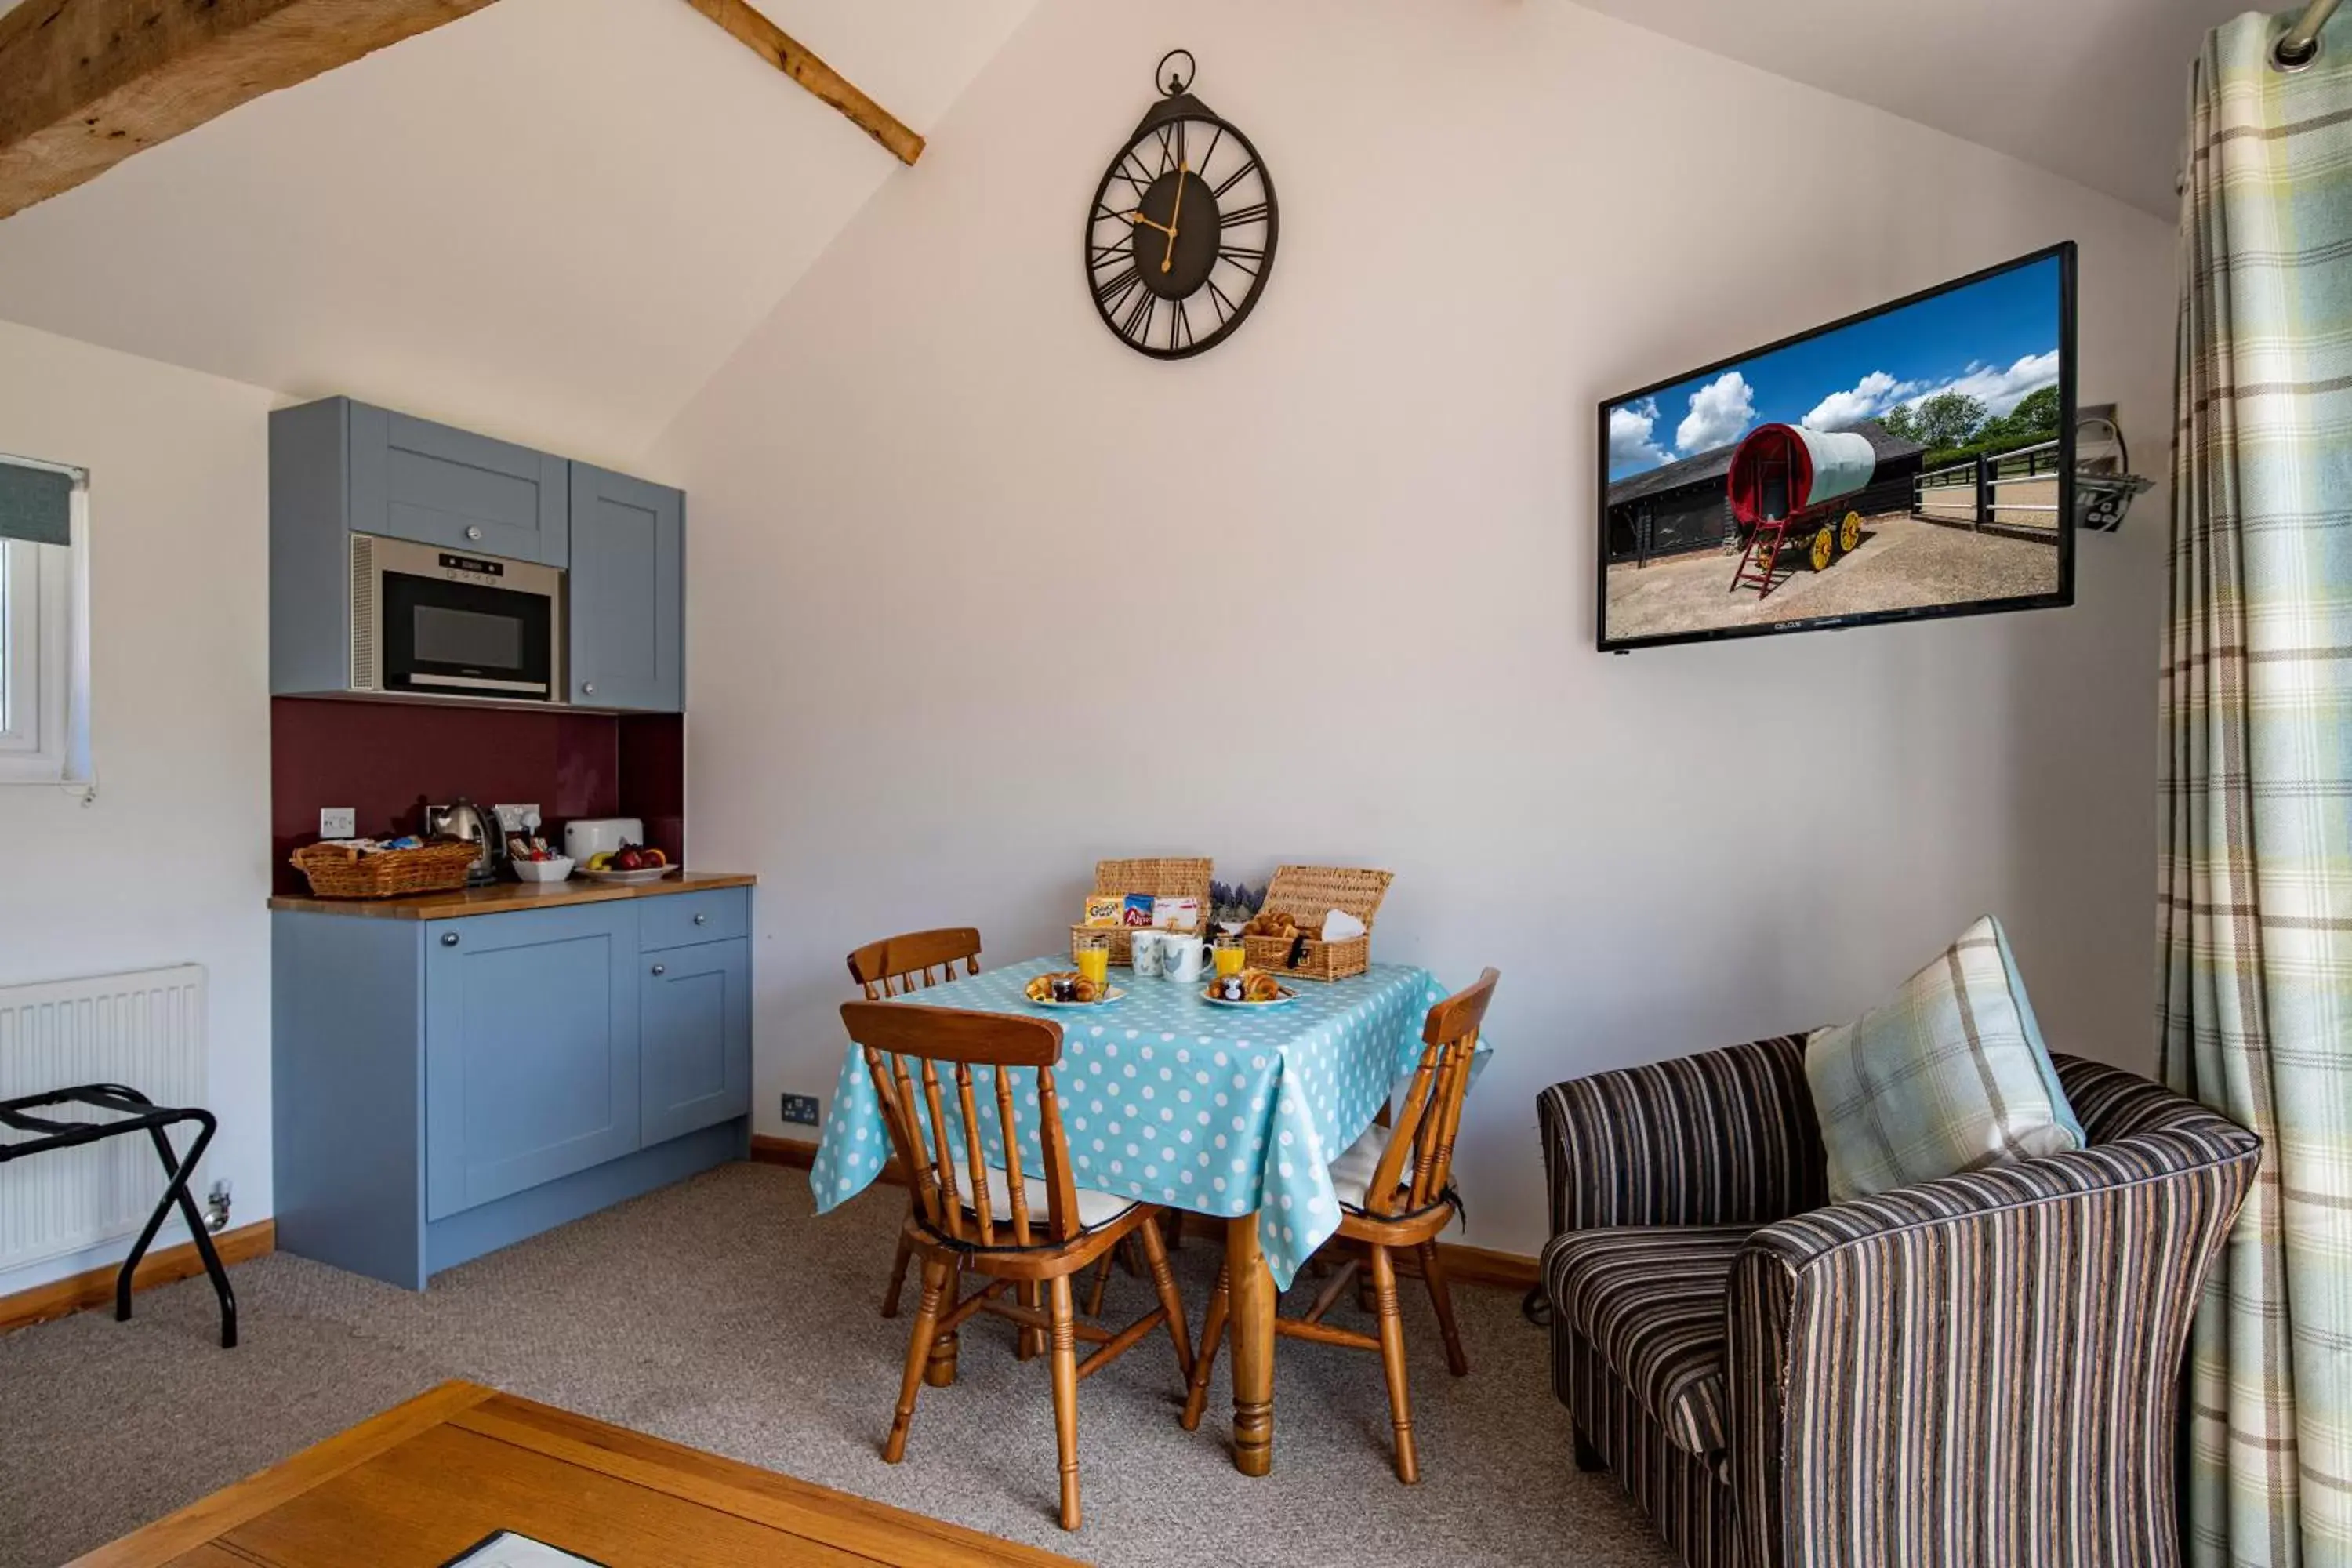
{"points": [[1938, 1364], [1724, 1137]]}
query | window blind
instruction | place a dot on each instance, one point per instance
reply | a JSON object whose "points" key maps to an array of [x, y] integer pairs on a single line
{"points": [[36, 504]]}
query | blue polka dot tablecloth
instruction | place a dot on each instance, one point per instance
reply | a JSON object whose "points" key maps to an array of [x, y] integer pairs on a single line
{"points": [[1172, 1099]]}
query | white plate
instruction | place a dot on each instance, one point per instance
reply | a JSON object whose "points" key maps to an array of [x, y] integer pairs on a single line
{"points": [[642, 874], [1284, 1000], [1116, 994]]}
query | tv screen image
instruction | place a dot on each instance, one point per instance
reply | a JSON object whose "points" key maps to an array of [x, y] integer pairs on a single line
{"points": [[1914, 460]]}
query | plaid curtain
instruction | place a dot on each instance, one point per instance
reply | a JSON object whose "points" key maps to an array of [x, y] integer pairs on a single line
{"points": [[2255, 865]]}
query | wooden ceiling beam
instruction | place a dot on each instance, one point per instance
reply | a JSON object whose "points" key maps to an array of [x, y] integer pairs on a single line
{"points": [[781, 50], [84, 84]]}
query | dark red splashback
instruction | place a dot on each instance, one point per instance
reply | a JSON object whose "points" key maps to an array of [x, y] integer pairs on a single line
{"points": [[386, 759]]}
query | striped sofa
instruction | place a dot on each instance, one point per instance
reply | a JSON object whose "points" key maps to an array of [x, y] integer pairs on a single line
{"points": [[1977, 1370]]}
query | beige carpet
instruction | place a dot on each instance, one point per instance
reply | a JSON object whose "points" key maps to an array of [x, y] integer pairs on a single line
{"points": [[721, 1314]]}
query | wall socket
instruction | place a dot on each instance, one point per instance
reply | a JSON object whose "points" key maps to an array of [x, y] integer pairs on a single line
{"points": [[800, 1110], [338, 822]]}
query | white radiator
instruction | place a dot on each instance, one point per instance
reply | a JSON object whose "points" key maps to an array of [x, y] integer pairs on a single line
{"points": [[145, 1030]]}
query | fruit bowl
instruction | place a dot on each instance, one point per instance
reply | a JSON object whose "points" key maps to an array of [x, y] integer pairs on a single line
{"points": [[642, 874], [554, 871]]}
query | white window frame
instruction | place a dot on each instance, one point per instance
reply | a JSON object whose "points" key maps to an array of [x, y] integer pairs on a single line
{"points": [[43, 615]]}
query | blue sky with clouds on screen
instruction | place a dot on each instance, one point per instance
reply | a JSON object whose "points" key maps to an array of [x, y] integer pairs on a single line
{"points": [[1996, 341]]}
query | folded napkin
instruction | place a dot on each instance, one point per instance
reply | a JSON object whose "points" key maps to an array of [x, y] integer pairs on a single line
{"points": [[1339, 925]]}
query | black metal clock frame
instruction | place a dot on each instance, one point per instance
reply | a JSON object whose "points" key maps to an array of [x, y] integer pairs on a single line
{"points": [[1166, 191]]}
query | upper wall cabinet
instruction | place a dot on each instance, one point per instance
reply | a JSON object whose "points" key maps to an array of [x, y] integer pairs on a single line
{"points": [[339, 467], [414, 479], [628, 586]]}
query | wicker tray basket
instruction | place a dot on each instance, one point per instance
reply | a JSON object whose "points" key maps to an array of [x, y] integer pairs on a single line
{"points": [[1310, 892], [1162, 879], [338, 871]]}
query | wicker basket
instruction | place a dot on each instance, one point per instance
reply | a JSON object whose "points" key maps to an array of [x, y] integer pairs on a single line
{"points": [[1162, 879], [338, 871], [1310, 892]]}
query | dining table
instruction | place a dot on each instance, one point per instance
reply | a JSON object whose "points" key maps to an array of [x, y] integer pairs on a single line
{"points": [[1229, 1112]]}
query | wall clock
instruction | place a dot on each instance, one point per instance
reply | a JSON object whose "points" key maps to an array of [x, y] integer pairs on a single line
{"points": [[1180, 242]]}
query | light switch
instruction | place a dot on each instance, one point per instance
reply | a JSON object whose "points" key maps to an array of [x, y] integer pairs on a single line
{"points": [[338, 822]]}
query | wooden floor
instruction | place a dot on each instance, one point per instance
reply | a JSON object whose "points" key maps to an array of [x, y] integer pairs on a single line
{"points": [[425, 1480]]}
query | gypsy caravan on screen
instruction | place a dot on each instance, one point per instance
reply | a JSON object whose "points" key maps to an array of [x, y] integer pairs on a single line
{"points": [[1788, 481]]}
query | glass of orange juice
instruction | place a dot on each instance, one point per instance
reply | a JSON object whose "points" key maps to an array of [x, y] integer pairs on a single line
{"points": [[1092, 950], [1231, 953]]}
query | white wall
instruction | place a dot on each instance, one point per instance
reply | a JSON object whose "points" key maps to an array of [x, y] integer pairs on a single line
{"points": [[171, 862], [932, 489]]}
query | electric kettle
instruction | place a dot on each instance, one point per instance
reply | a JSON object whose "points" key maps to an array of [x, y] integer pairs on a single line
{"points": [[461, 818]]}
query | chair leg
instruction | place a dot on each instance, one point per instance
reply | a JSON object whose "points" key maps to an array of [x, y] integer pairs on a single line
{"points": [[1065, 1397], [1384, 1304], [1588, 1458], [891, 1293], [1432, 1272], [919, 1354], [1102, 1277], [1163, 1280], [1028, 1342], [941, 1373], [1212, 1329]]}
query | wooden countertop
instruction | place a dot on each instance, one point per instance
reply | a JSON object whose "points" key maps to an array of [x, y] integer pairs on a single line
{"points": [[501, 897]]}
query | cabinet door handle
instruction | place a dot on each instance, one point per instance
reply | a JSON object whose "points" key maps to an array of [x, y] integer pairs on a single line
{"points": [[661, 969], [588, 688], [473, 532], [702, 920], [448, 938]]}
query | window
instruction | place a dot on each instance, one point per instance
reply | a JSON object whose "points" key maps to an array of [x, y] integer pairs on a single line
{"points": [[44, 651]]}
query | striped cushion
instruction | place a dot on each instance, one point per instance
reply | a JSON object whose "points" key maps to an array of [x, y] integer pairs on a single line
{"points": [[1651, 1301], [1949, 1076]]}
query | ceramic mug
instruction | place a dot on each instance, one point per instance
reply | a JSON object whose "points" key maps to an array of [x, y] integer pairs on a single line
{"points": [[1144, 944], [1182, 956]]}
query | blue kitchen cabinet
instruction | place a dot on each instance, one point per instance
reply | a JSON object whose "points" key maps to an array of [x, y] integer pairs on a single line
{"points": [[696, 1037], [411, 478], [629, 593], [530, 1050], [443, 1088], [339, 467]]}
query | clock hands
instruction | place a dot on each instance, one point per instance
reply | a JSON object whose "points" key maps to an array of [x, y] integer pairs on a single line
{"points": [[1137, 217], [1175, 214]]}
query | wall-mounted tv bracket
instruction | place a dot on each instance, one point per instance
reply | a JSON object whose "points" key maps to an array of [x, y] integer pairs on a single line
{"points": [[2104, 482]]}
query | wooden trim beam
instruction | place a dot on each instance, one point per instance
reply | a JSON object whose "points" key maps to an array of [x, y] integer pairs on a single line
{"points": [[781, 50], [84, 84], [95, 1287]]}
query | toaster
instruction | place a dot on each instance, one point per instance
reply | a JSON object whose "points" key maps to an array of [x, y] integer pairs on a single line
{"points": [[589, 836]]}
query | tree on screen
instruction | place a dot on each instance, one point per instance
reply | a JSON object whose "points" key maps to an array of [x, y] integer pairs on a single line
{"points": [[1948, 418]]}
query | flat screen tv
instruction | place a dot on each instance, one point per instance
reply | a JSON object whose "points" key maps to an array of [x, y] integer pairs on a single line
{"points": [[1914, 460]]}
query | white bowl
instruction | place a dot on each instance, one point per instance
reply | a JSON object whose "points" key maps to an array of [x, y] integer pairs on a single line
{"points": [[554, 871]]}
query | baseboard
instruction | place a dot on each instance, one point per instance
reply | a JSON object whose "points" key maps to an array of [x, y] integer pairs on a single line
{"points": [[1463, 1265], [95, 1287]]}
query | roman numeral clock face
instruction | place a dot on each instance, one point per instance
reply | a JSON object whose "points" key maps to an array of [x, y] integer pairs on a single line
{"points": [[1180, 240]]}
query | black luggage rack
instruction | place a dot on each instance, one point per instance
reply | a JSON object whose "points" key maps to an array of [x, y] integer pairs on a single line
{"points": [[132, 1111]]}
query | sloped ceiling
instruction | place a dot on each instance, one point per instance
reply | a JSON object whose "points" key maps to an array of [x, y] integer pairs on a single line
{"points": [[554, 219], [2093, 89], [551, 220]]}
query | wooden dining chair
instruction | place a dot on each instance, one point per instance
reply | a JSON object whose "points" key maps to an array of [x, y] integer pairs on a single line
{"points": [[1004, 1222], [1396, 1194], [892, 967]]}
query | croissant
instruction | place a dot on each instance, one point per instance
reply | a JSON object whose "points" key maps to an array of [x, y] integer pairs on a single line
{"points": [[1086, 991], [1263, 987]]}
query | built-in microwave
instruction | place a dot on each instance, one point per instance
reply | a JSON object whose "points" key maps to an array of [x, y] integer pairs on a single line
{"points": [[447, 623]]}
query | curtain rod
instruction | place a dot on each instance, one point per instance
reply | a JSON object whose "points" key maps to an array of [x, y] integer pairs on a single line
{"points": [[2299, 44]]}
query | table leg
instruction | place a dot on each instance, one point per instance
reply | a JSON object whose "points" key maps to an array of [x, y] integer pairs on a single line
{"points": [[1251, 1328]]}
